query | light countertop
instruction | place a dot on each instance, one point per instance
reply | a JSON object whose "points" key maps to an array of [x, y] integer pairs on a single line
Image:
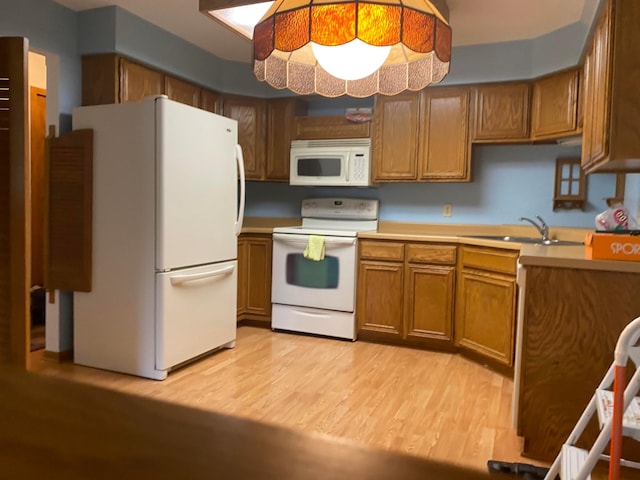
{"points": [[536, 255]]}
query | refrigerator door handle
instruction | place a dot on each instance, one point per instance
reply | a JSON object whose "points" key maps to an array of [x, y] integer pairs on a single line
{"points": [[179, 279], [240, 160]]}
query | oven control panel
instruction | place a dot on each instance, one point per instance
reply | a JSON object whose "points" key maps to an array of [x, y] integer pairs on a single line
{"points": [[345, 208]]}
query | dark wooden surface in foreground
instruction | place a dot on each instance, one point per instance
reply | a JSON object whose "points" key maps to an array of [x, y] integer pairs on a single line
{"points": [[52, 428]]}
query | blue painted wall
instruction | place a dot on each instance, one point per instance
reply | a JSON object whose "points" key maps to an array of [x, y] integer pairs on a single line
{"points": [[113, 29], [53, 29], [508, 181]]}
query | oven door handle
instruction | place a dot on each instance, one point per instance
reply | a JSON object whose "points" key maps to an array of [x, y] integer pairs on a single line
{"points": [[294, 239]]}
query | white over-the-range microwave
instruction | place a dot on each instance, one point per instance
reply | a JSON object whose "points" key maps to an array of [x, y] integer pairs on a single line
{"points": [[339, 162]]}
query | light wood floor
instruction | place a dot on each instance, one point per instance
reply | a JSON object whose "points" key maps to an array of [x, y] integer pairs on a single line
{"points": [[435, 405]]}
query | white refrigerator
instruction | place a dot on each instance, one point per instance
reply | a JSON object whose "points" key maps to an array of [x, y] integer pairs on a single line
{"points": [[165, 222]]}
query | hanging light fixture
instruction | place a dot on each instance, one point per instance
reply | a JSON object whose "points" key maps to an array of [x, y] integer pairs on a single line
{"points": [[351, 47]]}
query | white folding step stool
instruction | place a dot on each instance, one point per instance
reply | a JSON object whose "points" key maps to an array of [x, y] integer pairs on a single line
{"points": [[573, 463]]}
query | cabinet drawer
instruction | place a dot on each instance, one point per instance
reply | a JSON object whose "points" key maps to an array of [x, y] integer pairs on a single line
{"points": [[421, 253], [382, 250], [503, 261]]}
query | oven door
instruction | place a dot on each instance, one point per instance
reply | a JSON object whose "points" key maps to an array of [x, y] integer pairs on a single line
{"points": [[328, 283]]}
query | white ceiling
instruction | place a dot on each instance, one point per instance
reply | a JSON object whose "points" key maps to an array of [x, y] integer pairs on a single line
{"points": [[472, 21]]}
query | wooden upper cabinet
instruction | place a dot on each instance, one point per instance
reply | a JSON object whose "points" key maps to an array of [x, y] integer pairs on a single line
{"points": [[395, 137], [100, 79], [554, 105], [210, 101], [444, 147], [182, 91], [112, 78], [329, 126], [613, 103], [281, 127], [250, 114], [138, 81], [501, 112]]}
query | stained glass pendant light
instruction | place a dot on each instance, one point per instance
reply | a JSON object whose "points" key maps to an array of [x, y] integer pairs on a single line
{"points": [[351, 47]]}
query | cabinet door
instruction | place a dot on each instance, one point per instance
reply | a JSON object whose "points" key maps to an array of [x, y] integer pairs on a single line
{"points": [[555, 105], [445, 149], [586, 92], [485, 314], [138, 81], [100, 84], [181, 91], [600, 90], [380, 298], [281, 114], [395, 140], [258, 278], [254, 277], [501, 112], [210, 101], [250, 113], [429, 302], [242, 276]]}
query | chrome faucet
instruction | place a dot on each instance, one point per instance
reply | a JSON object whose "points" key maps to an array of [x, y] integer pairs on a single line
{"points": [[542, 227]]}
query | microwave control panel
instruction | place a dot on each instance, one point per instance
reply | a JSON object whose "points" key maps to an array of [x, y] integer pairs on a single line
{"points": [[359, 168]]}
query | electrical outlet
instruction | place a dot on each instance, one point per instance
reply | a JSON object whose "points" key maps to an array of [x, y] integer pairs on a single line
{"points": [[447, 210]]}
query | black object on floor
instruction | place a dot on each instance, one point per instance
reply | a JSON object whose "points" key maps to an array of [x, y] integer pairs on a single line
{"points": [[38, 298], [521, 470]]}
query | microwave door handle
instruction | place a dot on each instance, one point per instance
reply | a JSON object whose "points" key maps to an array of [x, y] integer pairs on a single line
{"points": [[347, 167]]}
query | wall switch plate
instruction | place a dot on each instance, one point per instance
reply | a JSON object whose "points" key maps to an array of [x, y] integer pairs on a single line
{"points": [[447, 210]]}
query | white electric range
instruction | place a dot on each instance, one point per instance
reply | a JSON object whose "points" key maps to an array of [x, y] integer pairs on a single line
{"points": [[319, 297]]}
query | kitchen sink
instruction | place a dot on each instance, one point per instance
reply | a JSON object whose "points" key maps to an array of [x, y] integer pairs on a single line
{"points": [[529, 240]]}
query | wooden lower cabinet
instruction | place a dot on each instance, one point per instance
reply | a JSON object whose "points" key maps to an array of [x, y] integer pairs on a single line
{"points": [[380, 298], [254, 278], [572, 321], [406, 293], [486, 304], [429, 302]]}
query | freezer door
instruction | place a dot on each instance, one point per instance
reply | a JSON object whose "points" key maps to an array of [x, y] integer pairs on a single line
{"points": [[195, 312], [196, 193]]}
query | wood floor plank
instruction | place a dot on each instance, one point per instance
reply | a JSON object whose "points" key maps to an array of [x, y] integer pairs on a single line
{"points": [[440, 406]]}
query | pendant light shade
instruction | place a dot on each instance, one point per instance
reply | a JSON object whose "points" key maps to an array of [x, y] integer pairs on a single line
{"points": [[407, 46]]}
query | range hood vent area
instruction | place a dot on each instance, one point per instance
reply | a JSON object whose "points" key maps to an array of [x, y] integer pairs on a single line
{"points": [[575, 141]]}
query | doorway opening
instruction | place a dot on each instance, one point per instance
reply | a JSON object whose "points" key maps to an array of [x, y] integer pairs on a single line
{"points": [[37, 123]]}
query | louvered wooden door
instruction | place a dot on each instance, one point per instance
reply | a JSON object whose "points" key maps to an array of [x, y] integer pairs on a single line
{"points": [[14, 194], [68, 225]]}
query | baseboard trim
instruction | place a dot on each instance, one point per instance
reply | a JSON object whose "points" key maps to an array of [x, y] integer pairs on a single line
{"points": [[65, 356]]}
